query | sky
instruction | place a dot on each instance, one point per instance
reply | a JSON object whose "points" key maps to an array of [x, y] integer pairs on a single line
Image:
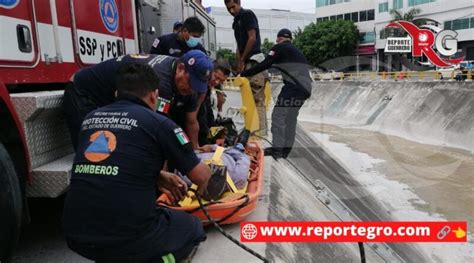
{"points": [[306, 6]]}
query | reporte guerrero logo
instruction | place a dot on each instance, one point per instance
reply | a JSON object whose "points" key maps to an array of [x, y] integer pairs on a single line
{"points": [[423, 41]]}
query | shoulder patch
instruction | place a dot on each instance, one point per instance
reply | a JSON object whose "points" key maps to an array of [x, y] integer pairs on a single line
{"points": [[181, 136], [156, 43]]}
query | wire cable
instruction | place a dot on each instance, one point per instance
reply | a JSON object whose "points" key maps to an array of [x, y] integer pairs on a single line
{"points": [[222, 231]]}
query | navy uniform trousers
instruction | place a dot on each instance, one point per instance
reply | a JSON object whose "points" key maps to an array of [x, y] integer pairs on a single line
{"points": [[177, 236], [284, 118]]}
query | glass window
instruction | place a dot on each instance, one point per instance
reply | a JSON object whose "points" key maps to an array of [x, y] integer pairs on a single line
{"points": [[320, 19], [340, 17], [333, 18], [397, 4], [332, 2], [363, 16], [419, 2], [472, 22], [326, 18], [383, 34], [447, 25], [348, 17], [460, 24], [370, 37], [355, 16], [383, 7], [320, 3], [366, 38], [370, 15]]}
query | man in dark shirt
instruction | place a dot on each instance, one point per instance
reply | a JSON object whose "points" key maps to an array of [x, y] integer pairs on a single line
{"points": [[248, 54], [205, 115], [110, 213], [177, 44], [178, 25], [181, 78], [297, 88]]}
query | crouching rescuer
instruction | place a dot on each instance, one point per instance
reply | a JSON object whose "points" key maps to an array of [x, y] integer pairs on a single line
{"points": [[110, 213]]}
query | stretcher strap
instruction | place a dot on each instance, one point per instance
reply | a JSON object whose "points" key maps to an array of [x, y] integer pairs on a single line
{"points": [[232, 186], [188, 200], [216, 158]]}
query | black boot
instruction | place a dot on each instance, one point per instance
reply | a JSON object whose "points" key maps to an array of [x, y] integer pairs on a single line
{"points": [[286, 152], [274, 152]]}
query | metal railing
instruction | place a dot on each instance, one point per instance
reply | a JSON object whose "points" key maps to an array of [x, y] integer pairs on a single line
{"points": [[405, 75]]}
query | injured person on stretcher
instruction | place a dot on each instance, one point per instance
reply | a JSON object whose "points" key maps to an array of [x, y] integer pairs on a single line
{"points": [[235, 163]]}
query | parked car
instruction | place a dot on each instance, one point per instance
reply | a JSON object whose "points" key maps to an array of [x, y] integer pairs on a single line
{"points": [[328, 75], [464, 68], [449, 73]]}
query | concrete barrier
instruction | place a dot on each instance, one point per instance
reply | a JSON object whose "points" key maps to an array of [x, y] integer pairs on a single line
{"points": [[440, 113]]}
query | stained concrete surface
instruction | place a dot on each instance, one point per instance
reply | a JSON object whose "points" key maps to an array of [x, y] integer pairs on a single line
{"points": [[441, 176]]}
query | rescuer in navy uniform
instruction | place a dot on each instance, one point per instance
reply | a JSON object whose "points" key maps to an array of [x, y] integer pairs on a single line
{"points": [[181, 80], [297, 88], [110, 213], [177, 44]]}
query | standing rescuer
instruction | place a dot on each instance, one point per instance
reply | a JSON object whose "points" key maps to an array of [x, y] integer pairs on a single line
{"points": [[181, 80], [297, 88], [110, 213], [178, 43], [248, 54]]}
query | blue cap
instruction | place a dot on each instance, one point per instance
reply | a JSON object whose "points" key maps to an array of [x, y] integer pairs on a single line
{"points": [[199, 67]]}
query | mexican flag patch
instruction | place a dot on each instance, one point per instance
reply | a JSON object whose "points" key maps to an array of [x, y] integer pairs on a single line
{"points": [[163, 105], [182, 138]]}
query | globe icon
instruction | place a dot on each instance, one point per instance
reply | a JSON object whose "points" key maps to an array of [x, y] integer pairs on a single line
{"points": [[249, 231]]}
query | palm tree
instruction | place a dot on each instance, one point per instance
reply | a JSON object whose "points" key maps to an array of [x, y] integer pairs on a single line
{"points": [[408, 16]]}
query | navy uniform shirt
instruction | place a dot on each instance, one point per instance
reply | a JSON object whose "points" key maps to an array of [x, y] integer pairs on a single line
{"points": [[245, 21], [122, 148], [293, 65], [170, 45], [97, 84]]}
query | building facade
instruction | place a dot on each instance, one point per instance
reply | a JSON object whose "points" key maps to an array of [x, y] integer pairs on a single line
{"points": [[362, 13], [270, 22], [371, 16]]}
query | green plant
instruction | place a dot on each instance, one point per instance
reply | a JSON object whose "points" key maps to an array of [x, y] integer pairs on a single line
{"points": [[327, 40]]}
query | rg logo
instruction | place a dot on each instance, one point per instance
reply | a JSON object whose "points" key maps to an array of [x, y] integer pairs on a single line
{"points": [[424, 42]]}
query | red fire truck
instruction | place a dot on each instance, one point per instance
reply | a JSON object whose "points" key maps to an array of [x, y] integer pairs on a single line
{"points": [[42, 44]]}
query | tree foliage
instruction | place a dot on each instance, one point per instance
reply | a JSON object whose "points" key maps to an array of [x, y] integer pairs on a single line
{"points": [[327, 40], [266, 46], [226, 54]]}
